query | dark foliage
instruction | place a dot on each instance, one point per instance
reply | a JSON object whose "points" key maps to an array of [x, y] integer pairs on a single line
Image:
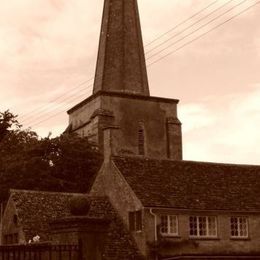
{"points": [[66, 163], [7, 120]]}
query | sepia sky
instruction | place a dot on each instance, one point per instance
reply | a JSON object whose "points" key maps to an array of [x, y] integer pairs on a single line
{"points": [[48, 50]]}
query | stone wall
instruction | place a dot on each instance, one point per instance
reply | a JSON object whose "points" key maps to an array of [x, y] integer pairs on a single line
{"points": [[11, 224], [112, 184], [163, 138], [223, 244]]}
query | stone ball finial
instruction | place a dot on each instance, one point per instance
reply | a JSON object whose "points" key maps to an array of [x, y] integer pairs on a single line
{"points": [[79, 205]]}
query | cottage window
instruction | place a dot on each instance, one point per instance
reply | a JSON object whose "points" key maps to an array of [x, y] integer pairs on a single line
{"points": [[15, 219], [169, 225], [203, 226], [135, 220], [239, 227]]}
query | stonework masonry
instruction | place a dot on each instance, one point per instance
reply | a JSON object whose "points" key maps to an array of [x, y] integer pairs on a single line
{"points": [[163, 137], [90, 233], [121, 63], [216, 246], [121, 196], [121, 95], [10, 227]]}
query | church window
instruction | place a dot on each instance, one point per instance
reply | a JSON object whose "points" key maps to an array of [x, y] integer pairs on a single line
{"points": [[135, 220], [169, 225], [203, 226], [141, 140], [239, 227]]}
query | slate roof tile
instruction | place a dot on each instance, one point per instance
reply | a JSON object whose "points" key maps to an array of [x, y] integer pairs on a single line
{"points": [[192, 185]]}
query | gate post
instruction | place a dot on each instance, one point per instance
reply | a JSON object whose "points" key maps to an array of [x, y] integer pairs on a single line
{"points": [[90, 231]]}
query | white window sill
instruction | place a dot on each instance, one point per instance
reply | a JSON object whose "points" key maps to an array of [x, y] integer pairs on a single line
{"points": [[204, 238], [171, 235], [239, 238]]}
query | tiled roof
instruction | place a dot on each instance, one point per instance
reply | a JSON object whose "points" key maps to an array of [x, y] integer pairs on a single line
{"points": [[192, 185], [36, 209]]}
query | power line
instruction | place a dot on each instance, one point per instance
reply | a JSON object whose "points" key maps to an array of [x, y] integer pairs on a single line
{"points": [[178, 40], [200, 36], [190, 26], [41, 109], [56, 99], [195, 39], [69, 99], [181, 23], [199, 28], [48, 118]]}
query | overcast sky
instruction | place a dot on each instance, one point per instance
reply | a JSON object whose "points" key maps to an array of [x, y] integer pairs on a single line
{"points": [[49, 47]]}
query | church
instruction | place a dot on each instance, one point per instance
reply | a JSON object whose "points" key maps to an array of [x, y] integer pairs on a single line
{"points": [[166, 207]]}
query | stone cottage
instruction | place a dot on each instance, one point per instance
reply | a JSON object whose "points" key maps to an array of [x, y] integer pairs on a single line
{"points": [[32, 213], [168, 208]]}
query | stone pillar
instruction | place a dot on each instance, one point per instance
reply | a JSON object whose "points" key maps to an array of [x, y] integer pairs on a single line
{"points": [[89, 232], [174, 138]]}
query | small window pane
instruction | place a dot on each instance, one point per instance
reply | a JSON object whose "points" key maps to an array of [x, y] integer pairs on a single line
{"points": [[173, 226], [212, 227], [135, 220], [164, 224], [203, 226], [138, 220], [239, 227], [193, 226], [169, 225], [131, 221]]}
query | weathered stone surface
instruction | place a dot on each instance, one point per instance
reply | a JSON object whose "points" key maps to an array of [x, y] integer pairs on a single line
{"points": [[163, 138], [121, 92], [121, 63]]}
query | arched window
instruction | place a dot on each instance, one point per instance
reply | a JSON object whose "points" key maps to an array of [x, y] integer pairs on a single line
{"points": [[141, 139]]}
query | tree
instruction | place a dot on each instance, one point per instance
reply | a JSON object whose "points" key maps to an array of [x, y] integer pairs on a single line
{"points": [[66, 163], [7, 120]]}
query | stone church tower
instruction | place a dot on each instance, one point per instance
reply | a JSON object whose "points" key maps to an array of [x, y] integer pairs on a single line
{"points": [[143, 125]]}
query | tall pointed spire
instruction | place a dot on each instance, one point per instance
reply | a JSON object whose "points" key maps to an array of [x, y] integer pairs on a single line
{"points": [[121, 62]]}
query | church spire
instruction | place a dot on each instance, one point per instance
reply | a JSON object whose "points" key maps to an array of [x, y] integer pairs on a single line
{"points": [[121, 62]]}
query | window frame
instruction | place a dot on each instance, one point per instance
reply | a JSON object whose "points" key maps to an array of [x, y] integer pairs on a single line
{"points": [[169, 233], [141, 139], [135, 221], [239, 230], [207, 236]]}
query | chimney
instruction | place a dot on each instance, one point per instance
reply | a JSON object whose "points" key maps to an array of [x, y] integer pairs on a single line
{"points": [[110, 142]]}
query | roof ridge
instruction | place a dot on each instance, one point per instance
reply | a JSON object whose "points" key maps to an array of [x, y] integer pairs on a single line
{"points": [[46, 192], [12, 191], [138, 157]]}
